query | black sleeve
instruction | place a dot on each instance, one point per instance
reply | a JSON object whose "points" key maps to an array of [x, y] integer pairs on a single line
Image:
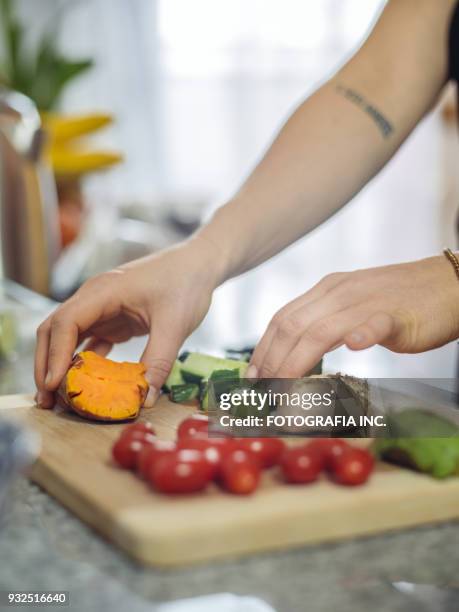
{"points": [[454, 45]]}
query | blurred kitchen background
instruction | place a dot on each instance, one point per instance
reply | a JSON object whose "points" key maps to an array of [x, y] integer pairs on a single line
{"points": [[151, 113]]}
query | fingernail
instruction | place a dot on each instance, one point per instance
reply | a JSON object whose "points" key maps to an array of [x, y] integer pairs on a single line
{"points": [[252, 372], [356, 337], [49, 378], [44, 400], [151, 398]]}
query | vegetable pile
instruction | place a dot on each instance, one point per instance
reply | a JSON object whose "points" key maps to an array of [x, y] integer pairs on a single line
{"points": [[101, 389], [195, 460], [188, 381]]}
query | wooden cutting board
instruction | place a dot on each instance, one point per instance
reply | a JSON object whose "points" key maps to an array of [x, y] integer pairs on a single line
{"points": [[75, 467]]}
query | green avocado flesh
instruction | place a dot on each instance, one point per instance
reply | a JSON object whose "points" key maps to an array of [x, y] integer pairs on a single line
{"points": [[433, 447]]}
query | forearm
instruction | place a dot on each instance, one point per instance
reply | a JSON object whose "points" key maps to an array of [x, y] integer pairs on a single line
{"points": [[335, 142], [327, 151]]}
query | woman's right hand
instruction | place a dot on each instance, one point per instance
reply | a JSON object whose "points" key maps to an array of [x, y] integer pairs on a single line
{"points": [[165, 295]]}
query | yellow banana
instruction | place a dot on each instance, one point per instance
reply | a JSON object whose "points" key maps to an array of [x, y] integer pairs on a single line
{"points": [[62, 128], [74, 162]]}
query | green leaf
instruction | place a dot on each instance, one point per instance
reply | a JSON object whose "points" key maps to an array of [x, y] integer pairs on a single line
{"points": [[44, 75], [14, 43], [48, 86], [66, 71], [12, 39], [5, 10], [20, 75], [16, 72], [52, 73]]}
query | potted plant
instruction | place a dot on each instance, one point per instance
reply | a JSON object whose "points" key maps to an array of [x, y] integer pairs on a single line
{"points": [[42, 73]]}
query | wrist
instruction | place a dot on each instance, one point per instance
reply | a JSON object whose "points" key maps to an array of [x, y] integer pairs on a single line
{"points": [[208, 255], [450, 264], [216, 241]]}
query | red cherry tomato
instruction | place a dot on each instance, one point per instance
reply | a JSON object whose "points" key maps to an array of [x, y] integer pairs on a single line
{"points": [[240, 472], [214, 449], [138, 427], [198, 423], [127, 447], [183, 471], [150, 453], [299, 465], [267, 450], [353, 467], [328, 448]]}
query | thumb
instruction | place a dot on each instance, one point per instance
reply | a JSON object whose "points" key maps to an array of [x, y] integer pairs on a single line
{"points": [[158, 357]]}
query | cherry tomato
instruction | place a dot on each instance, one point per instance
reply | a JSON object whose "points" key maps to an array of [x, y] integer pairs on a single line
{"points": [[183, 471], [329, 449], [267, 450], [214, 449], [150, 453], [198, 423], [299, 465], [127, 447], [353, 467], [138, 427], [240, 472]]}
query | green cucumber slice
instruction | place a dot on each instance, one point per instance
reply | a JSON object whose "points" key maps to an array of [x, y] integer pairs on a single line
{"points": [[242, 354], [175, 376], [198, 366], [181, 394], [224, 381]]}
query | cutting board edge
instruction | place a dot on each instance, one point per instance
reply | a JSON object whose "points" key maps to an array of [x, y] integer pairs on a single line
{"points": [[254, 534], [159, 552]]}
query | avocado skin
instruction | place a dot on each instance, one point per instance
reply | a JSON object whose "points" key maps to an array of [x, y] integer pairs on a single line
{"points": [[432, 448]]}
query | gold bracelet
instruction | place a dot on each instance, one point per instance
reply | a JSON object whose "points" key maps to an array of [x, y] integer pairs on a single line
{"points": [[451, 257]]}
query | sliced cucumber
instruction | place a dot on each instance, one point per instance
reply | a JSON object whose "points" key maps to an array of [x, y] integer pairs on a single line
{"points": [[197, 366], [223, 381], [175, 376], [232, 374], [242, 354], [190, 377], [181, 394], [317, 369]]}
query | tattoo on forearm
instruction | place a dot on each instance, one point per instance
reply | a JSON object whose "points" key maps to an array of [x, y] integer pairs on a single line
{"points": [[385, 126]]}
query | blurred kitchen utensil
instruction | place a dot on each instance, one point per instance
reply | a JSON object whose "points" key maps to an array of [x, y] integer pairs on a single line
{"points": [[21, 312], [8, 332], [28, 203]]}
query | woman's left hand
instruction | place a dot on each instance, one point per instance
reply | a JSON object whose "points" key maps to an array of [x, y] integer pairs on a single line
{"points": [[407, 308]]}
